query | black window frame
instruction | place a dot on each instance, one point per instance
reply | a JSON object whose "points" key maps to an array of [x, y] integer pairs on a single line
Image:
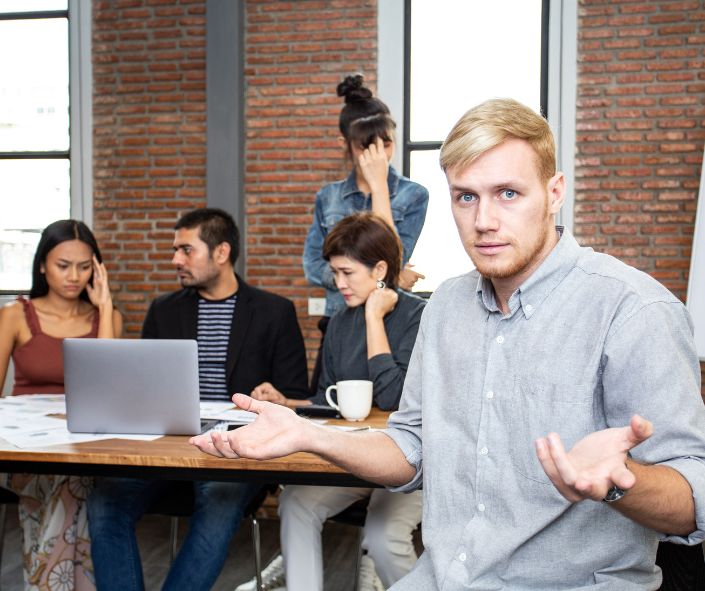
{"points": [[409, 146], [40, 154]]}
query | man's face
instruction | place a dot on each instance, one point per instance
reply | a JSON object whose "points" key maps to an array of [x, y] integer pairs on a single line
{"points": [[504, 211], [195, 266]]}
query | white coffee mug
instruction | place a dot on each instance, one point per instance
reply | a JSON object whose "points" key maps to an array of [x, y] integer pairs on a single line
{"points": [[354, 398]]}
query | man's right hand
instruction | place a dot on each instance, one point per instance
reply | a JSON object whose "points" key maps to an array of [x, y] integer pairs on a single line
{"points": [[276, 432]]}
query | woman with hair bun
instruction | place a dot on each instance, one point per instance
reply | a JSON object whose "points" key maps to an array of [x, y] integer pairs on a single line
{"points": [[70, 297], [367, 134]]}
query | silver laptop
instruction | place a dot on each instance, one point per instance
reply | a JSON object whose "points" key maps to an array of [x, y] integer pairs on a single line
{"points": [[132, 386]]}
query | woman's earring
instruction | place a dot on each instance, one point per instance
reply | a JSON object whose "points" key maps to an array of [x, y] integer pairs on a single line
{"points": [[381, 284]]}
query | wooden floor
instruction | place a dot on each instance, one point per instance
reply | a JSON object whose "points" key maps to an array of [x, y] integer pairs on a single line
{"points": [[339, 543]]}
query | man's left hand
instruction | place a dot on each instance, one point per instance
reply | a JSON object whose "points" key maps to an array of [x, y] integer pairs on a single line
{"points": [[596, 463]]}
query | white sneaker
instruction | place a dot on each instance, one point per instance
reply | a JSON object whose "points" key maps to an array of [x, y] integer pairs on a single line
{"points": [[367, 578], [272, 577]]}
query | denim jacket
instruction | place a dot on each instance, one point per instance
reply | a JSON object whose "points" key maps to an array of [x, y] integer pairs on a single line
{"points": [[335, 201]]}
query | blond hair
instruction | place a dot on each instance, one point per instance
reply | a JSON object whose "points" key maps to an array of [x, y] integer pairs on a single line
{"points": [[492, 122]]}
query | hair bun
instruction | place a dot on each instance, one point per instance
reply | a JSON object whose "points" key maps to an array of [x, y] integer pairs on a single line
{"points": [[353, 90]]}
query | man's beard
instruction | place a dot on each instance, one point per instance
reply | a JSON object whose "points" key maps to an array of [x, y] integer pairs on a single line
{"points": [[512, 268], [199, 282]]}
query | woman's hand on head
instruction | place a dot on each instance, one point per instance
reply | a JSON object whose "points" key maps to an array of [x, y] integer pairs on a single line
{"points": [[265, 391], [374, 165], [380, 302], [99, 293]]}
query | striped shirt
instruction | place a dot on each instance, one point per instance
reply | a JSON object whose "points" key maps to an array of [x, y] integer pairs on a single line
{"points": [[215, 319]]}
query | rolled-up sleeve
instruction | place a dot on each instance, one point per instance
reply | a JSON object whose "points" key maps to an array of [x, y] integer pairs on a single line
{"points": [[405, 425], [693, 470], [651, 368]]}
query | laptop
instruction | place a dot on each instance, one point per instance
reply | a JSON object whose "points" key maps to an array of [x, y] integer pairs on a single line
{"points": [[145, 386]]}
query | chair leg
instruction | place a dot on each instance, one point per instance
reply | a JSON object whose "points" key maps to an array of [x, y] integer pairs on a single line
{"points": [[256, 549], [3, 511], [172, 538], [358, 561]]}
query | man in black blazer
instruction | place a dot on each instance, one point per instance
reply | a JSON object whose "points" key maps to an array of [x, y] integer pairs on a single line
{"points": [[265, 342], [246, 337]]}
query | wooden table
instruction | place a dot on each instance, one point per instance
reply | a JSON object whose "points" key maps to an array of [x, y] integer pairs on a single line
{"points": [[173, 457]]}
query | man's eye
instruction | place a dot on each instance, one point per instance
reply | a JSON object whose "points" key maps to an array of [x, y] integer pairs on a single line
{"points": [[466, 197], [509, 194]]}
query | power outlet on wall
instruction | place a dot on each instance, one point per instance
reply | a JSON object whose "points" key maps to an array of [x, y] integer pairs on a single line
{"points": [[316, 306]]}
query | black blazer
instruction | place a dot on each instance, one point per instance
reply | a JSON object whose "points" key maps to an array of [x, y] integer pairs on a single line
{"points": [[265, 339]]}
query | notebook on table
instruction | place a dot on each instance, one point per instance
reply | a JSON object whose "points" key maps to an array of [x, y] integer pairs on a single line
{"points": [[146, 386]]}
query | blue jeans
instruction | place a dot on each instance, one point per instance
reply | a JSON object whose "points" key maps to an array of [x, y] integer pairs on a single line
{"points": [[115, 506]]}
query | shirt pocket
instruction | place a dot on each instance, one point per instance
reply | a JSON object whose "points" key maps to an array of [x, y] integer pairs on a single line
{"points": [[330, 219], [398, 214], [540, 407]]}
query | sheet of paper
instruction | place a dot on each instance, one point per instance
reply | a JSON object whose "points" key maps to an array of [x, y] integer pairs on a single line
{"points": [[226, 411], [25, 424], [61, 435], [212, 409], [24, 405], [11, 424], [235, 415]]}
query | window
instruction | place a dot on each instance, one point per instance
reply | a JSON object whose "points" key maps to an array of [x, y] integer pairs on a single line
{"points": [[35, 134], [484, 50]]}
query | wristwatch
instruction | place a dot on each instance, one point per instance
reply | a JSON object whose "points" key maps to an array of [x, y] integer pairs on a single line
{"points": [[614, 494]]}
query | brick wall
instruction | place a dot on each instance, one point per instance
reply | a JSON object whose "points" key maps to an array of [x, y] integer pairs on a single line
{"points": [[296, 53], [640, 132], [149, 139]]}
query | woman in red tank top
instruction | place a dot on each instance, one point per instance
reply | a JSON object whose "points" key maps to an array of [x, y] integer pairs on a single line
{"points": [[70, 297]]}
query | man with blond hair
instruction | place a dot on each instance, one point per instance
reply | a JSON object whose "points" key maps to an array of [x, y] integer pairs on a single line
{"points": [[545, 347]]}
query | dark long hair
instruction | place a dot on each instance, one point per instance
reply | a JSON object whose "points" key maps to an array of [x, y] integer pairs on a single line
{"points": [[366, 238], [53, 235], [364, 117]]}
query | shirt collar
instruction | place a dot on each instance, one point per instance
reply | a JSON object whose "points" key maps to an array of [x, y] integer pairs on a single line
{"points": [[531, 294], [350, 184]]}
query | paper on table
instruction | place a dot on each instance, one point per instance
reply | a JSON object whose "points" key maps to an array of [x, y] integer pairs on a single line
{"points": [[236, 415], [212, 409], [12, 424], [24, 423], [24, 405], [226, 411], [61, 435]]}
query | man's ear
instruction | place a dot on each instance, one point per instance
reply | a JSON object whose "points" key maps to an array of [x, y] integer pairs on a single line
{"points": [[221, 253], [556, 192]]}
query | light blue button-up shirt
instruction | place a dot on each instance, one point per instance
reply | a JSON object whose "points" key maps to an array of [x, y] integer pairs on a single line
{"points": [[587, 343], [335, 201]]}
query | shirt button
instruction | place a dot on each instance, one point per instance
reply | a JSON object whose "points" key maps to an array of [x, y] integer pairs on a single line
{"points": [[462, 556], [481, 507], [529, 308], [500, 339], [490, 394], [483, 451]]}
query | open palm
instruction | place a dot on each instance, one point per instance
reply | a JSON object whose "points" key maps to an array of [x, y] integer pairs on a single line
{"points": [[595, 463]]}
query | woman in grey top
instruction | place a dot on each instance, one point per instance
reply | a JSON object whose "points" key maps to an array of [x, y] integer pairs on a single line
{"points": [[371, 339]]}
